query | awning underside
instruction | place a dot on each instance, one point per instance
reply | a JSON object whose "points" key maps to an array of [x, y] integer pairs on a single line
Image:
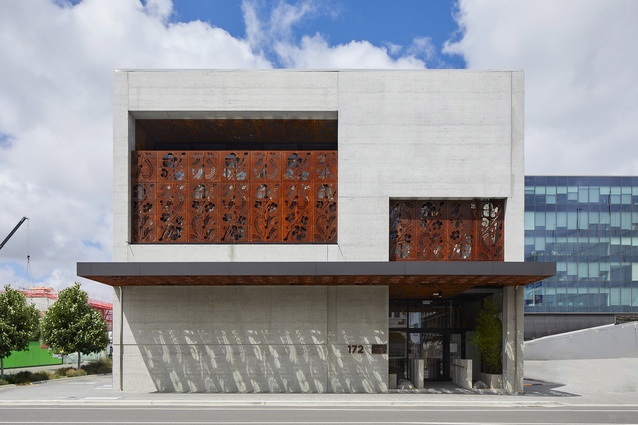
{"points": [[404, 279]]}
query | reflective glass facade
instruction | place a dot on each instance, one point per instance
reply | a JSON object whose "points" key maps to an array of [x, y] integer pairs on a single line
{"points": [[588, 226]]}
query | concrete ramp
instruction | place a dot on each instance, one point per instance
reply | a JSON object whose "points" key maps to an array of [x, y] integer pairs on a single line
{"points": [[602, 342], [592, 376]]}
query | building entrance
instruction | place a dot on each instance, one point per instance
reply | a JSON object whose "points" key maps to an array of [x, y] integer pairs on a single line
{"points": [[426, 335], [426, 359]]}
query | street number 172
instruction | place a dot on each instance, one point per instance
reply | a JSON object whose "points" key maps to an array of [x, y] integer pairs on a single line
{"points": [[355, 349]]}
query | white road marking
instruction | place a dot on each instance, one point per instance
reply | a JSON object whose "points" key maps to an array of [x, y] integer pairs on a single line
{"points": [[100, 398], [314, 423], [104, 387]]}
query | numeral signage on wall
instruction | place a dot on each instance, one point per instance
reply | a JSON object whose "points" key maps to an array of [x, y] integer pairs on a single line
{"points": [[375, 349], [352, 349]]}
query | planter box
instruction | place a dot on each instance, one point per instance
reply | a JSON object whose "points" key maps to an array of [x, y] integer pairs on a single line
{"points": [[492, 380], [462, 373], [392, 381]]}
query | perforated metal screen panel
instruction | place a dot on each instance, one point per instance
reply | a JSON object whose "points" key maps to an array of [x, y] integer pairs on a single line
{"points": [[234, 196], [447, 230]]}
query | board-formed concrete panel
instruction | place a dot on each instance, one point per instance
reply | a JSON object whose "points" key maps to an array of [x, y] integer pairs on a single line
{"points": [[253, 339]]}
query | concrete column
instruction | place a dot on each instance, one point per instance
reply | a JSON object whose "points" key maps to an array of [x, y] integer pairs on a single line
{"points": [[513, 358], [116, 357]]}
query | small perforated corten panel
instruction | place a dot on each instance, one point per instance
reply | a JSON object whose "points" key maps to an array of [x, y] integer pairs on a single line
{"points": [[450, 230], [234, 196]]}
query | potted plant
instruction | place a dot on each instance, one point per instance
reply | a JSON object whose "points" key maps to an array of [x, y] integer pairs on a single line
{"points": [[488, 338]]}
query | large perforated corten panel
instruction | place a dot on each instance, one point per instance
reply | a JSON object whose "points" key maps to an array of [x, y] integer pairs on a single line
{"points": [[447, 230], [234, 196]]}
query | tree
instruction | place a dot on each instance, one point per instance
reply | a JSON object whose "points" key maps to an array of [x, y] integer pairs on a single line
{"points": [[18, 323], [489, 338], [71, 325]]}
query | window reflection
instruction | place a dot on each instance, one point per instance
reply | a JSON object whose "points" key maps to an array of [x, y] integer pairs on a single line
{"points": [[589, 227]]}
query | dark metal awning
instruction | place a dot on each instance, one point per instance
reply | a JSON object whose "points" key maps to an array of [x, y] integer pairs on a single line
{"points": [[412, 279]]}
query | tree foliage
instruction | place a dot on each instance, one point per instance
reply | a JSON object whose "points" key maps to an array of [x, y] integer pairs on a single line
{"points": [[71, 325], [489, 338], [18, 323]]}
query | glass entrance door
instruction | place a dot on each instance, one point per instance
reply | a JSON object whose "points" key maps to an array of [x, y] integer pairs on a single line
{"points": [[426, 358], [426, 335], [433, 356], [397, 354]]}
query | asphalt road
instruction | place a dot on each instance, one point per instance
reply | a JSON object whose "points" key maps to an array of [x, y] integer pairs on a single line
{"points": [[313, 415], [91, 400]]}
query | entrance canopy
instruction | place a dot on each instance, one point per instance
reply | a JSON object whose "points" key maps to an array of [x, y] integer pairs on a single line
{"points": [[404, 279]]}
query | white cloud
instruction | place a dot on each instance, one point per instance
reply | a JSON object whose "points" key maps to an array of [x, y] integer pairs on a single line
{"points": [[314, 52], [271, 31], [284, 16], [423, 46], [160, 9], [580, 59]]}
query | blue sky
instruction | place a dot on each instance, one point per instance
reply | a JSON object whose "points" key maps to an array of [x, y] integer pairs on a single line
{"points": [[580, 59], [381, 22]]}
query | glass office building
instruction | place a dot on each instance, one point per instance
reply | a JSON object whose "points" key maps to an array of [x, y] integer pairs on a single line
{"points": [[589, 227]]}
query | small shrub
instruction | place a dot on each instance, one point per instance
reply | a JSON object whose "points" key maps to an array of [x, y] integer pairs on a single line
{"points": [[75, 372], [62, 371], [25, 377], [22, 378], [40, 376], [489, 338], [99, 367]]}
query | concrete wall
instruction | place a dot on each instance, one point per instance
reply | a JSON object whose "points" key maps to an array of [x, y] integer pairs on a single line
{"points": [[401, 134], [252, 339], [462, 373], [603, 342]]}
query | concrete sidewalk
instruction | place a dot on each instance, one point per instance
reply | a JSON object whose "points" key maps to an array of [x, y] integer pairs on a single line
{"points": [[97, 390], [612, 382]]}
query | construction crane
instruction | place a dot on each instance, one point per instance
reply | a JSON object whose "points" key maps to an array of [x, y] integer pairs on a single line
{"points": [[13, 231]]}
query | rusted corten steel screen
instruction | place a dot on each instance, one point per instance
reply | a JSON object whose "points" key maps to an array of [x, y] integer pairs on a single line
{"points": [[447, 230], [234, 196]]}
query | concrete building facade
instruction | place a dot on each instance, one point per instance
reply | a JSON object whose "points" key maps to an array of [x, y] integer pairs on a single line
{"points": [[267, 296]]}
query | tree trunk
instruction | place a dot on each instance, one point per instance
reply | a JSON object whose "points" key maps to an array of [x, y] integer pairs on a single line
{"points": [[79, 360], [2, 368]]}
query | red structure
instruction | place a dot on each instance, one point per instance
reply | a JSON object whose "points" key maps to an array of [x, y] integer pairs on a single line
{"points": [[43, 296]]}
